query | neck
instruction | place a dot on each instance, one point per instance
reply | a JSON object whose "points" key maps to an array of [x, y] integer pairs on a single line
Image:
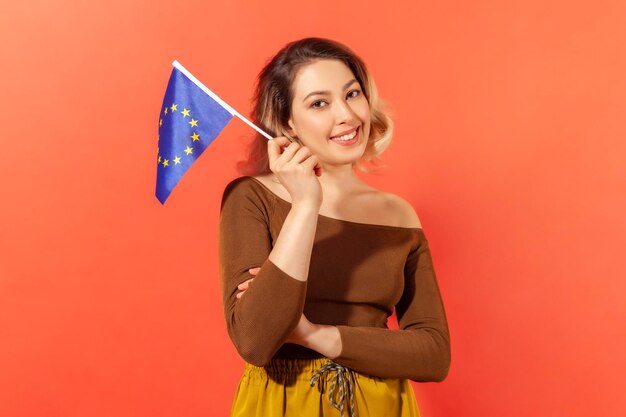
{"points": [[338, 179]]}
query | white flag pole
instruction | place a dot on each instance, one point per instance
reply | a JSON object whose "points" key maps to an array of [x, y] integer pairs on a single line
{"points": [[214, 96]]}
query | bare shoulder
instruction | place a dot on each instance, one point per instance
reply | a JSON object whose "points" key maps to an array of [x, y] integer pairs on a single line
{"points": [[398, 211], [403, 210]]}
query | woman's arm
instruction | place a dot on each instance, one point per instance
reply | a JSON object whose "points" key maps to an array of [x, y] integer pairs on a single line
{"points": [[292, 250], [260, 321], [420, 350], [322, 338]]}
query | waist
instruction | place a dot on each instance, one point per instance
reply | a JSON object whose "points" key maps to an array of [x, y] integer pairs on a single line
{"points": [[293, 351], [313, 371], [288, 369]]}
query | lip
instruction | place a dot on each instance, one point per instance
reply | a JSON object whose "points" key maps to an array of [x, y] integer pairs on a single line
{"points": [[347, 132], [348, 143]]}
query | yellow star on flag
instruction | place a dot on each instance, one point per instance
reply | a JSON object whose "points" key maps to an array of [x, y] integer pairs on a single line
{"points": [[185, 112], [166, 162], [174, 107], [176, 160], [193, 123], [160, 122], [195, 136], [189, 150]]}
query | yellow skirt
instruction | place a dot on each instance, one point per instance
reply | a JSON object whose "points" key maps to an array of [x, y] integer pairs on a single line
{"points": [[319, 387]]}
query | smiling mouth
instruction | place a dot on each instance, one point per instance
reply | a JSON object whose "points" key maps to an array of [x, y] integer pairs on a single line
{"points": [[345, 137]]}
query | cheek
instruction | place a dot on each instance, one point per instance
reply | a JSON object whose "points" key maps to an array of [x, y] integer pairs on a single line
{"points": [[365, 117], [367, 124], [315, 127], [363, 111]]}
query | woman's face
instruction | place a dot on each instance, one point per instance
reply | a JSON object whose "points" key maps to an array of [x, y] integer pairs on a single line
{"points": [[329, 113]]}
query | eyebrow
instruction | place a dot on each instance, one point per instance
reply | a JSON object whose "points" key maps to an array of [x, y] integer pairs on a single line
{"points": [[346, 85]]}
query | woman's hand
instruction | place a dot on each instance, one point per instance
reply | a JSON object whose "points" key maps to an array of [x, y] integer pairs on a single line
{"points": [[297, 169], [244, 285], [321, 338], [301, 335]]}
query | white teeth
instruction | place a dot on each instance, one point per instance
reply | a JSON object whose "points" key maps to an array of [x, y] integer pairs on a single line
{"points": [[345, 137]]}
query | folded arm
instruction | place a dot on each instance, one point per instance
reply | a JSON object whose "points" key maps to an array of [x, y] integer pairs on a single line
{"points": [[420, 350], [261, 321]]}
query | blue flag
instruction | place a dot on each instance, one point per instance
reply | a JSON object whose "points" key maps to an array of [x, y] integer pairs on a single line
{"points": [[190, 119]]}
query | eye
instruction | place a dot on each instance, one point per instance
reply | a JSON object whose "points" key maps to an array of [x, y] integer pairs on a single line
{"points": [[358, 93], [314, 104]]}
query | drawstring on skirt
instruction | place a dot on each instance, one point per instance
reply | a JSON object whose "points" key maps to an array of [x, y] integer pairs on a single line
{"points": [[343, 379], [286, 388]]}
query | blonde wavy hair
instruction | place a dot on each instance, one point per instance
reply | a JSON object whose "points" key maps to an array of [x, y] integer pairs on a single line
{"points": [[273, 95]]}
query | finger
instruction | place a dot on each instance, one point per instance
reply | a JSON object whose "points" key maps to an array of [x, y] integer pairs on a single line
{"points": [[281, 140], [245, 283], [312, 163], [316, 166], [278, 156], [274, 146], [289, 152], [302, 154]]}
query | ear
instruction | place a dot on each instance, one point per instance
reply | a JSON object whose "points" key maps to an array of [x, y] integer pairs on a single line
{"points": [[291, 130]]}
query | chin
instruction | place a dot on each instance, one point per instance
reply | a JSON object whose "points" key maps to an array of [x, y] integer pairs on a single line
{"points": [[347, 160]]}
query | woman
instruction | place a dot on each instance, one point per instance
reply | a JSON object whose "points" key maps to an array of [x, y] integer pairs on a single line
{"points": [[314, 260]]}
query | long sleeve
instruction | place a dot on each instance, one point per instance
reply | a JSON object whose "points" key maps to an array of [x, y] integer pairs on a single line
{"points": [[259, 322], [420, 350]]}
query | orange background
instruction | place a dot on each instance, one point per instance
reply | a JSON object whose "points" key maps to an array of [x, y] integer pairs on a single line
{"points": [[510, 128]]}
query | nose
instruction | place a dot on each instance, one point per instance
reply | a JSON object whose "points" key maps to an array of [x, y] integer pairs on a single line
{"points": [[343, 112]]}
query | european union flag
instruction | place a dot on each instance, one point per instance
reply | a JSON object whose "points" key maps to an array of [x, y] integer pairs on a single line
{"points": [[190, 119]]}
